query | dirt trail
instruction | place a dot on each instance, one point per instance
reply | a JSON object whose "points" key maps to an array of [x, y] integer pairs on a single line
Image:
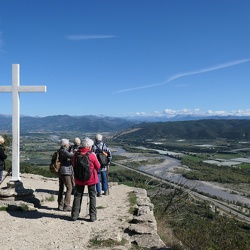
{"points": [[48, 228]]}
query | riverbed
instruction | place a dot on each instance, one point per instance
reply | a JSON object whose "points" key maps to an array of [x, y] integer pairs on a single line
{"points": [[169, 170]]}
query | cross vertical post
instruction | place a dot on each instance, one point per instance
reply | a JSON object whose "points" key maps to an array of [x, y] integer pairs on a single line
{"points": [[16, 89], [15, 123]]}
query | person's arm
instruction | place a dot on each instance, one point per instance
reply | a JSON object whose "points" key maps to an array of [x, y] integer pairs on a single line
{"points": [[96, 163], [74, 159], [68, 154], [3, 156], [109, 155]]}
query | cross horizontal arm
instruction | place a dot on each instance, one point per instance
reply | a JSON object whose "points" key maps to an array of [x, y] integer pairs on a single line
{"points": [[31, 88], [5, 88], [23, 88]]}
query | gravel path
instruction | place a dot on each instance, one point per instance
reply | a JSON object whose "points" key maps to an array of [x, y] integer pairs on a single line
{"points": [[48, 228]]}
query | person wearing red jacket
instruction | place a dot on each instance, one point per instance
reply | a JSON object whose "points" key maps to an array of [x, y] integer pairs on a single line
{"points": [[86, 147]]}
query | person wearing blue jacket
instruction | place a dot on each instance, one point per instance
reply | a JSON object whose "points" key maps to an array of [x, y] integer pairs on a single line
{"points": [[98, 147]]}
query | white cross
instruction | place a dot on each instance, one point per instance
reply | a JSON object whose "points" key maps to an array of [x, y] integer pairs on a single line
{"points": [[16, 89]]}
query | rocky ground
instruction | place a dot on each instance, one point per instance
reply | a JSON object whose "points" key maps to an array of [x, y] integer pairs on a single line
{"points": [[47, 228]]}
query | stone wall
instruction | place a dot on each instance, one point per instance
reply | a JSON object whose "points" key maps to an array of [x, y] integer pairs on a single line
{"points": [[143, 227]]}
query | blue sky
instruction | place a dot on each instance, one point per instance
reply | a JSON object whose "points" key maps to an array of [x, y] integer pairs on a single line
{"points": [[127, 57]]}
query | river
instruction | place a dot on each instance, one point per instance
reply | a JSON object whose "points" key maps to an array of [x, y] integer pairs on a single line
{"points": [[165, 171]]}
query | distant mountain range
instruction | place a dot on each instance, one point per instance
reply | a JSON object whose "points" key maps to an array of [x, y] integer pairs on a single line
{"points": [[90, 124], [233, 129], [63, 123]]}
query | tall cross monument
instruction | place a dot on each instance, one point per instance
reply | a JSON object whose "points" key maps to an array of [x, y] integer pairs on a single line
{"points": [[16, 89]]}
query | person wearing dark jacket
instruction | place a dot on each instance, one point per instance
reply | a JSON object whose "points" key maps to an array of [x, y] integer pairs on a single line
{"points": [[76, 145], [65, 175], [103, 173], [3, 156], [94, 166]]}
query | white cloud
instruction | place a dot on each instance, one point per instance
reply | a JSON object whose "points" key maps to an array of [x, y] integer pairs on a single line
{"points": [[193, 112], [87, 37]]}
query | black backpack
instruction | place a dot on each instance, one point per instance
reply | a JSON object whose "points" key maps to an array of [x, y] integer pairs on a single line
{"points": [[102, 156], [82, 167]]}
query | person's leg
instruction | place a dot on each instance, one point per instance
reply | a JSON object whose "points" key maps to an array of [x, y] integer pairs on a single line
{"points": [[76, 209], [68, 184], [73, 184], [104, 182], [60, 200], [98, 185], [92, 203], [1, 175]]}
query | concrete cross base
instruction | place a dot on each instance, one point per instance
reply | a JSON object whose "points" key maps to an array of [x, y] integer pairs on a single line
{"points": [[15, 194]]}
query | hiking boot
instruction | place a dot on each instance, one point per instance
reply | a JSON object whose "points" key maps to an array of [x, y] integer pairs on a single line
{"points": [[60, 207], [99, 195], [92, 218], [105, 193], [74, 218], [67, 209]]}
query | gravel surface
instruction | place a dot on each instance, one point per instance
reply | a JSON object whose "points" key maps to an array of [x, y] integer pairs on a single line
{"points": [[47, 228]]}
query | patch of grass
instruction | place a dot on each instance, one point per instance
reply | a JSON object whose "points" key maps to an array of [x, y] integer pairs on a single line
{"points": [[132, 198], [100, 207], [3, 208], [24, 207], [135, 247], [119, 157], [194, 158], [51, 198], [244, 165], [107, 243], [132, 202]]}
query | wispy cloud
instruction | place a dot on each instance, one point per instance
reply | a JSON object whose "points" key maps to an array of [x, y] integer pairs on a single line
{"points": [[201, 71], [87, 37]]}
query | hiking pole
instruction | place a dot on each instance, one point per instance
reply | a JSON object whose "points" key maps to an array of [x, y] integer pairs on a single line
{"points": [[87, 207], [107, 176]]}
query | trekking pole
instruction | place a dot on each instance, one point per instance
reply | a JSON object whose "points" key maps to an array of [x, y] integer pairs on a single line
{"points": [[87, 207], [107, 176]]}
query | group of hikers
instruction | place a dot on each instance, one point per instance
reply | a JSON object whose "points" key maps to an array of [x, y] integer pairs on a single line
{"points": [[98, 173], [96, 183]]}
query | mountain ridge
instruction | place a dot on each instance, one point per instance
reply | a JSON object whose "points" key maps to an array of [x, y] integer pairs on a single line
{"points": [[66, 123], [234, 129], [92, 123]]}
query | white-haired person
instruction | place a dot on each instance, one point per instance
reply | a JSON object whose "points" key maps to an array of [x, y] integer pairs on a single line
{"points": [[98, 147], [94, 166], [65, 174], [3, 156], [76, 145]]}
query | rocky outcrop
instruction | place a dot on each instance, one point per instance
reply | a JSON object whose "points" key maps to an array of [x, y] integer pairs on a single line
{"points": [[143, 226]]}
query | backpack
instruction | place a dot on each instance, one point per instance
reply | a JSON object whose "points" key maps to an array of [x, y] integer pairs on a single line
{"points": [[102, 156], [55, 164], [82, 167]]}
